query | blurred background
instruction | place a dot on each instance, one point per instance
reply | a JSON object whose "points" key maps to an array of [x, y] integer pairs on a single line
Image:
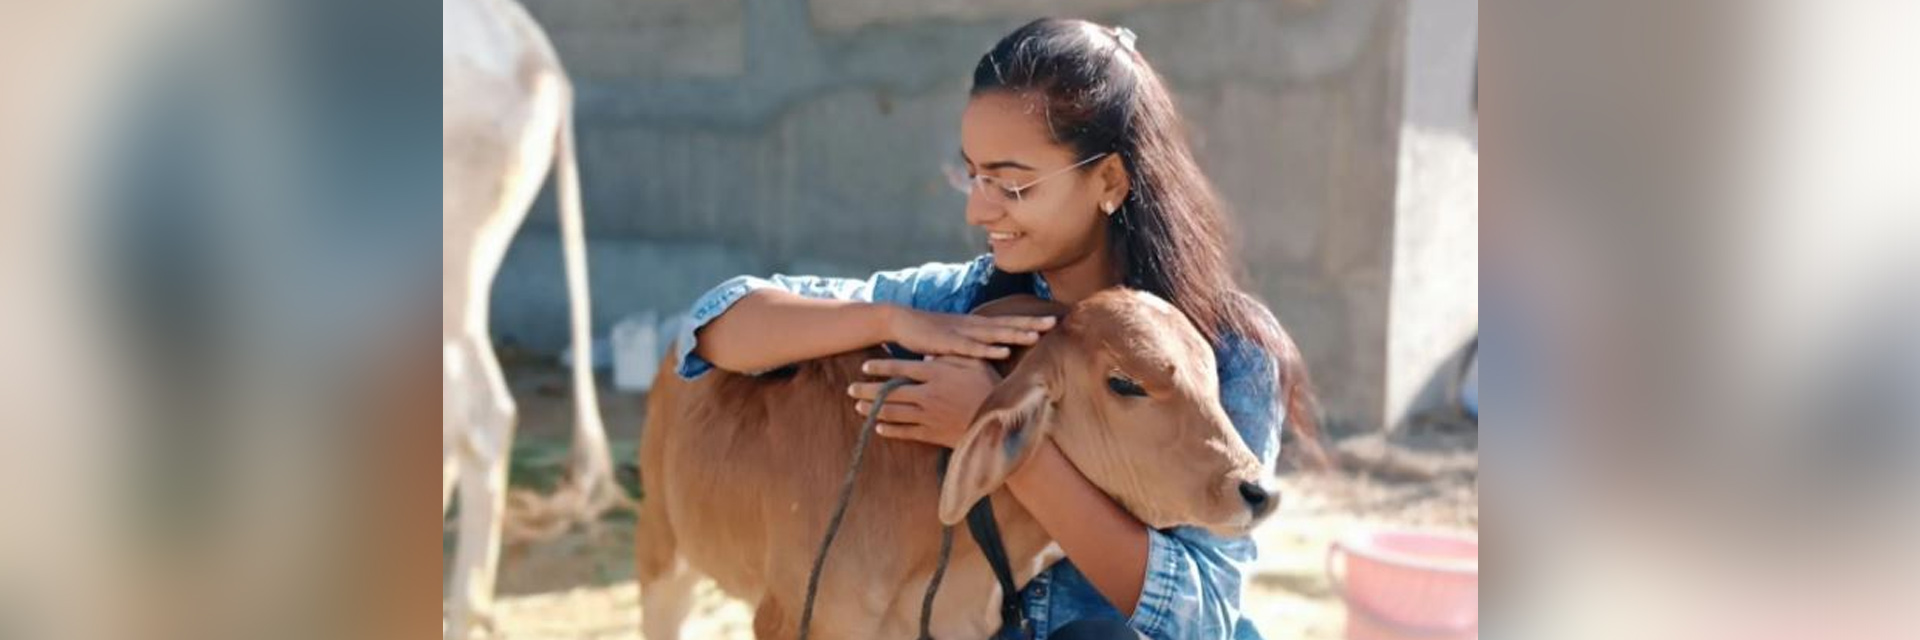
{"points": [[215, 260]]}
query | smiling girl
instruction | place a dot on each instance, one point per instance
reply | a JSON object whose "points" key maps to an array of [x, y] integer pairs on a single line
{"points": [[1080, 178]]}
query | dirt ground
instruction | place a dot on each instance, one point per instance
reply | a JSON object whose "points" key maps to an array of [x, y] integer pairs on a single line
{"points": [[580, 585]]}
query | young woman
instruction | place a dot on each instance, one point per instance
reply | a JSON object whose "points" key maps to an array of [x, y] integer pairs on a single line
{"points": [[1078, 173]]}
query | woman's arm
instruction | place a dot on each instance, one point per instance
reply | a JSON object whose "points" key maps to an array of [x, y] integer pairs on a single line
{"points": [[1106, 543], [770, 327], [1173, 583], [749, 324], [1177, 583]]}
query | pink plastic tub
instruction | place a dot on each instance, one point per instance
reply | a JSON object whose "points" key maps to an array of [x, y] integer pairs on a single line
{"points": [[1402, 584]]}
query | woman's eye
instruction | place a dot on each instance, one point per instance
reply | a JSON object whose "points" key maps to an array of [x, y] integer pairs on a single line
{"points": [[1121, 385]]}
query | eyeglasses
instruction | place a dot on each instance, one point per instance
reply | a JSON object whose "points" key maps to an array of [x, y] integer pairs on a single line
{"points": [[999, 191]]}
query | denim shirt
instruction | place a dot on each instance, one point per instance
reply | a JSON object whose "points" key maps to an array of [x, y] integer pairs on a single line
{"points": [[1194, 579]]}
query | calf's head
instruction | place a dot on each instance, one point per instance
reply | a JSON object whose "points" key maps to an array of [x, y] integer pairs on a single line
{"points": [[1128, 389]]}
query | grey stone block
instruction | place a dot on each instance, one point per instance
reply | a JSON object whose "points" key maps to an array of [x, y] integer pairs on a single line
{"points": [[611, 40], [529, 304], [848, 15]]}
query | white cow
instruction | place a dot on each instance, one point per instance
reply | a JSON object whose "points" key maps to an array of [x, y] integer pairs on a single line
{"points": [[507, 117]]}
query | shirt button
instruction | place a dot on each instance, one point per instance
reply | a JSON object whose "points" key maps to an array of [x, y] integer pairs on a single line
{"points": [[1040, 591]]}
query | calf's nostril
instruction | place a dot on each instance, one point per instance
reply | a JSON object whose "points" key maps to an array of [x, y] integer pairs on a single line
{"points": [[1258, 498]]}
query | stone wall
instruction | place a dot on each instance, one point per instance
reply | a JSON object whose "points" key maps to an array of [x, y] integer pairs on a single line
{"points": [[728, 136], [1435, 308]]}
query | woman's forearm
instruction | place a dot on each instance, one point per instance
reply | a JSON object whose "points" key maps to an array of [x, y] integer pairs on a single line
{"points": [[1106, 543], [771, 328]]}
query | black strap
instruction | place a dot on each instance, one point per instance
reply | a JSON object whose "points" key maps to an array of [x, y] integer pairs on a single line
{"points": [[986, 533], [980, 522]]}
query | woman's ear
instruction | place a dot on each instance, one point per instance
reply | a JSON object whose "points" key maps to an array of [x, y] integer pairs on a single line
{"points": [[1114, 183]]}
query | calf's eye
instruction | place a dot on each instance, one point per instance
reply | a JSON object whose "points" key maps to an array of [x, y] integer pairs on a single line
{"points": [[1119, 384]]}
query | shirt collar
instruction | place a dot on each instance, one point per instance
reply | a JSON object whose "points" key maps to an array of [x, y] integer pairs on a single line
{"points": [[1040, 286]]}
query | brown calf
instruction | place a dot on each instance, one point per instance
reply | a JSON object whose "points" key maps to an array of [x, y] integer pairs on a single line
{"points": [[741, 473]]}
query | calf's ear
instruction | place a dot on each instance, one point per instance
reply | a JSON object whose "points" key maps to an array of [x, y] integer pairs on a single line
{"points": [[1011, 424]]}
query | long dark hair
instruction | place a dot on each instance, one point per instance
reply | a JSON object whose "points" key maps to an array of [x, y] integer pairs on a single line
{"points": [[1169, 237]]}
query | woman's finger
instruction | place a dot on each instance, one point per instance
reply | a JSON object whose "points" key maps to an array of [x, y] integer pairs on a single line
{"points": [[892, 412], [961, 362], [999, 334], [918, 370], [909, 393], [1023, 323], [870, 390], [965, 345], [898, 431], [989, 352]]}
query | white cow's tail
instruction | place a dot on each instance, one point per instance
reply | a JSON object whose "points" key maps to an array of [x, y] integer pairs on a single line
{"points": [[592, 473]]}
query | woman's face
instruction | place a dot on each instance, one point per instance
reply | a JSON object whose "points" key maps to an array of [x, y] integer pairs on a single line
{"points": [[1059, 221]]}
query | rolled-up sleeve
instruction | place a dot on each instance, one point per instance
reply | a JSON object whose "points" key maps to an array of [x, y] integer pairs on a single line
{"points": [[919, 287], [1193, 584], [1194, 579]]}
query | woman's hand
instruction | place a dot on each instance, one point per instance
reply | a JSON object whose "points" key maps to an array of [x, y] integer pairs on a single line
{"points": [[938, 408], [951, 334]]}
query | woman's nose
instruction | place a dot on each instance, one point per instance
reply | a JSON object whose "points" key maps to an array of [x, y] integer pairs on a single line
{"points": [[981, 211]]}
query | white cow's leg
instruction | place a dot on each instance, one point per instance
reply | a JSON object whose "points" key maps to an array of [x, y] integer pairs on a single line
{"points": [[449, 474], [665, 601], [487, 442], [592, 461], [454, 418]]}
